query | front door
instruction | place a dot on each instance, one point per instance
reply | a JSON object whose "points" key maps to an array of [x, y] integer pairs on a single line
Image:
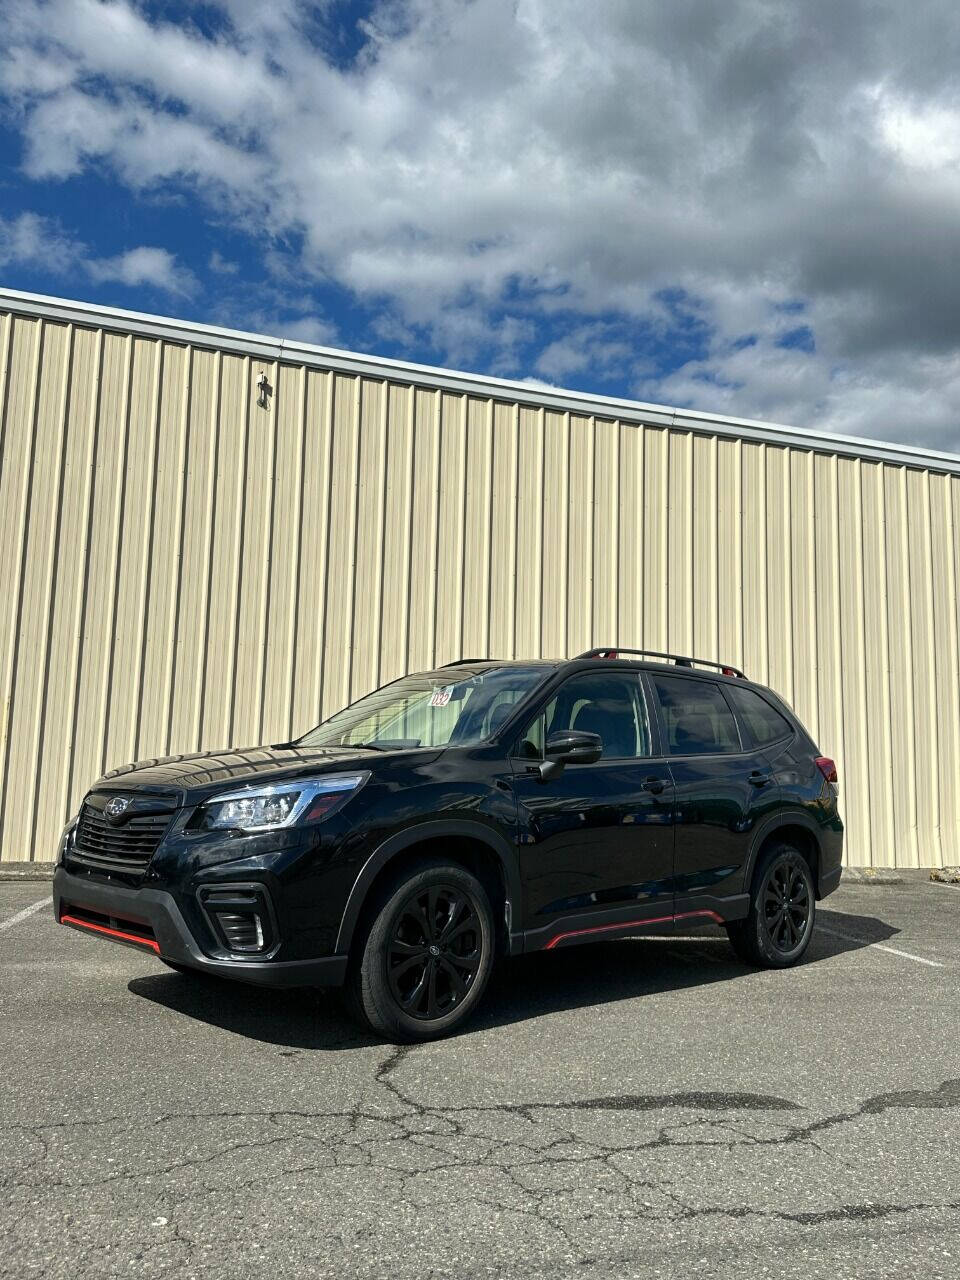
{"points": [[596, 841], [723, 789]]}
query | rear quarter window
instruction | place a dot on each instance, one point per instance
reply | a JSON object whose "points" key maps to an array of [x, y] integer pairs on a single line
{"points": [[763, 722]]}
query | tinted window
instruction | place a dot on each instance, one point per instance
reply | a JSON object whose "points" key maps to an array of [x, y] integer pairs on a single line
{"points": [[606, 702], [696, 717], [764, 722]]}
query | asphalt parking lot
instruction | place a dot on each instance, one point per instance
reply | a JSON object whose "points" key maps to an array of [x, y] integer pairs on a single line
{"points": [[634, 1108]]}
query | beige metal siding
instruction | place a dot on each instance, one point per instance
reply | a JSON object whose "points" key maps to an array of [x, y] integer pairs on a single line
{"points": [[182, 569]]}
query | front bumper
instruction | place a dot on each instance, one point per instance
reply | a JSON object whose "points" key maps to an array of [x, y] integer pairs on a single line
{"points": [[151, 920]]}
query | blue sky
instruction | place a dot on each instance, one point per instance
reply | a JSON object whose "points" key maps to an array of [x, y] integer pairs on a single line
{"points": [[749, 208]]}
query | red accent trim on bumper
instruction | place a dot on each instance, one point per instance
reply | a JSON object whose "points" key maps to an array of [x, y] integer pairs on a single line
{"points": [[688, 915], [631, 924], [111, 933]]}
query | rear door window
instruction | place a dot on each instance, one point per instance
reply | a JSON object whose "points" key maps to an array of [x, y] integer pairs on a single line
{"points": [[764, 723], [696, 718]]}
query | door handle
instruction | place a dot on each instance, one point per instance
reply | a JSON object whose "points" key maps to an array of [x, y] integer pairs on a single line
{"points": [[654, 784], [759, 779]]}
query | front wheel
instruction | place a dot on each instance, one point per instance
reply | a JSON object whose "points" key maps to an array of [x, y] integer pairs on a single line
{"points": [[778, 927], [426, 956]]}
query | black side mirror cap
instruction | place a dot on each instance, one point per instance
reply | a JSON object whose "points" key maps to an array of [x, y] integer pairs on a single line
{"points": [[570, 746]]}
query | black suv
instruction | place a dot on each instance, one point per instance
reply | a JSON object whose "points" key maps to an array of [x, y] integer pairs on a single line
{"points": [[487, 808]]}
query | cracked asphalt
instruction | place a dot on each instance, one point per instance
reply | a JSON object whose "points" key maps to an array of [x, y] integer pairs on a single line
{"points": [[633, 1108]]}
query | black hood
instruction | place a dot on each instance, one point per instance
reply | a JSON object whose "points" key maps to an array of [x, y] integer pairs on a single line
{"points": [[202, 772]]}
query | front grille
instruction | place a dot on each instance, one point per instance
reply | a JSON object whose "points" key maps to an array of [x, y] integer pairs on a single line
{"points": [[128, 847]]}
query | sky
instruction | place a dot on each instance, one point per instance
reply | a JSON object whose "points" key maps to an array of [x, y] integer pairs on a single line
{"points": [[749, 208]]}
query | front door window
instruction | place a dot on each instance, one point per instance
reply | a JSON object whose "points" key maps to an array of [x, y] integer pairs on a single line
{"points": [[608, 703]]}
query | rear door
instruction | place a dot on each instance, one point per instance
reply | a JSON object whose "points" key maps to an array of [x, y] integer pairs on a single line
{"points": [[723, 788], [596, 841]]}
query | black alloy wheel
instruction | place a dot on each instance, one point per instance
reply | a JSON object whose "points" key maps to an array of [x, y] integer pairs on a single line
{"points": [[787, 903], [421, 965], [778, 927], [434, 953]]}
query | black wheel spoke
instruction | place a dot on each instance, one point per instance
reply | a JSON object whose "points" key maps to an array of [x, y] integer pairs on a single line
{"points": [[438, 907], [432, 1006], [470, 961], [398, 970], [457, 982], [413, 998], [450, 927], [449, 937], [399, 947], [415, 910]]}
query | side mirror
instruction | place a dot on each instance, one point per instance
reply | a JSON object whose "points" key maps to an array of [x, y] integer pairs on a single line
{"points": [[570, 746]]}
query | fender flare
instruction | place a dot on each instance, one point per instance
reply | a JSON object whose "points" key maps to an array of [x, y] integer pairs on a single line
{"points": [[769, 827], [504, 852]]}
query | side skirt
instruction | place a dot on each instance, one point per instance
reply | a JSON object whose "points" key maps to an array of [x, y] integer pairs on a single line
{"points": [[596, 926]]}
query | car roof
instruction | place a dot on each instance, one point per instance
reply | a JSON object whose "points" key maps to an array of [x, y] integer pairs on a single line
{"points": [[606, 660]]}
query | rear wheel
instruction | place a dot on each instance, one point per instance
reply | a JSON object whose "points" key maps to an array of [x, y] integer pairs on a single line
{"points": [[779, 925], [426, 956]]}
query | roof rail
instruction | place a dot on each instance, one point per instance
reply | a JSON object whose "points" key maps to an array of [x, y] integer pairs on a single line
{"points": [[680, 660]]}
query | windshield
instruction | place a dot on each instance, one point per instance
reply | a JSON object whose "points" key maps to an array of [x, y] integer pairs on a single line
{"points": [[454, 707]]}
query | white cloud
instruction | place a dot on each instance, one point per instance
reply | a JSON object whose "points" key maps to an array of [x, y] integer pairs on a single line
{"points": [[222, 266], [142, 266], [597, 348], [30, 240], [308, 329], [484, 167]]}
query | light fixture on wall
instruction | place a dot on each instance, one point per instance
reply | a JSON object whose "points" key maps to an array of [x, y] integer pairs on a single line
{"points": [[263, 383]]}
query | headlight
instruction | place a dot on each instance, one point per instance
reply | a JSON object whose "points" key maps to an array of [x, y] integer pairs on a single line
{"points": [[285, 805]]}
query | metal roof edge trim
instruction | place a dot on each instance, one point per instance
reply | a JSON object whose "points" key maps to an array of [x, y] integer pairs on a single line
{"points": [[536, 395]]}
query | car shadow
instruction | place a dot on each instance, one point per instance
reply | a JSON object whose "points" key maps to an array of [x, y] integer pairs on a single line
{"points": [[604, 972], [521, 988]]}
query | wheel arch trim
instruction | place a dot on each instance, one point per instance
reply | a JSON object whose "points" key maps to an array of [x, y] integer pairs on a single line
{"points": [[384, 853], [781, 820]]}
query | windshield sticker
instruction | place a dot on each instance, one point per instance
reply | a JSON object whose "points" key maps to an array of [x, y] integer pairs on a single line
{"points": [[441, 697]]}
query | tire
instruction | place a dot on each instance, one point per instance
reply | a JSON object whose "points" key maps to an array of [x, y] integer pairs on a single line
{"points": [[419, 969], [779, 924]]}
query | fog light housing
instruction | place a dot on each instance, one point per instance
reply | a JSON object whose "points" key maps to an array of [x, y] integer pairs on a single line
{"points": [[241, 917], [243, 931]]}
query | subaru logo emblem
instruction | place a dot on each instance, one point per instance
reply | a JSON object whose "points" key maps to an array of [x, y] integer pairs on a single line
{"points": [[115, 807]]}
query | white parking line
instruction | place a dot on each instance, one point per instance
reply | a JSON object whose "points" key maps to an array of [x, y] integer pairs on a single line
{"points": [[906, 955], [22, 915], [934, 964]]}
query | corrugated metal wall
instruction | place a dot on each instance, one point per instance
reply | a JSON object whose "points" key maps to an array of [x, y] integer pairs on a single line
{"points": [[184, 569]]}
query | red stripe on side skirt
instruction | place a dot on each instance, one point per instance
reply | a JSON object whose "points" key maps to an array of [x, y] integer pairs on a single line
{"points": [[111, 933], [631, 924]]}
